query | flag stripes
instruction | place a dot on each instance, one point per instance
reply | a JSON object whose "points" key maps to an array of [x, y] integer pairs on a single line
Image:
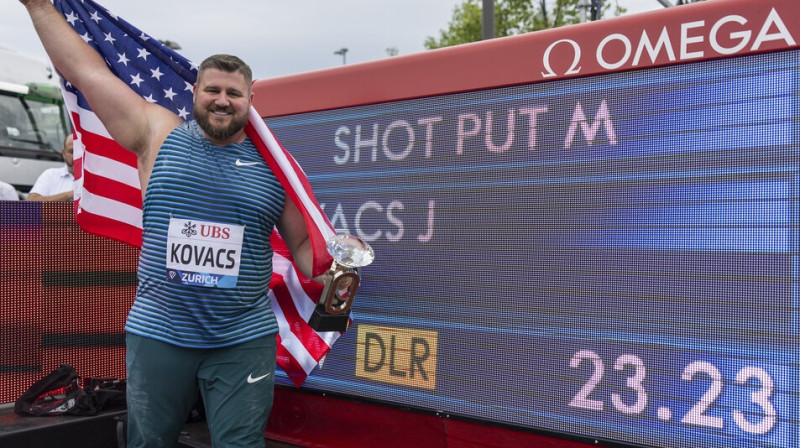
{"points": [[108, 193]]}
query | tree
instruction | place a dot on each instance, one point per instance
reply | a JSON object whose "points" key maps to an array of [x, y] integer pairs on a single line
{"points": [[512, 17]]}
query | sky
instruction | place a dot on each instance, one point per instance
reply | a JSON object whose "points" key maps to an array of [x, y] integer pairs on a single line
{"points": [[275, 37]]}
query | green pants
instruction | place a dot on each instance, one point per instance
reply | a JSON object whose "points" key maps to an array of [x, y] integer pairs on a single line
{"points": [[163, 382]]}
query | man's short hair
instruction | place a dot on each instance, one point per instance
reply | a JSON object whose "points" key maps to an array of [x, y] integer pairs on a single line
{"points": [[227, 63]]}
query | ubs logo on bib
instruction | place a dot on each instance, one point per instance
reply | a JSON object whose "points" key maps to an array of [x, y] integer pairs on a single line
{"points": [[188, 229], [216, 232]]}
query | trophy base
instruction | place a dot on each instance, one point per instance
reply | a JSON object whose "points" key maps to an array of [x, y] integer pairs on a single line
{"points": [[321, 320]]}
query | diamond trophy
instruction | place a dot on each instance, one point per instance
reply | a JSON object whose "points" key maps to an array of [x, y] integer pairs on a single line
{"points": [[349, 253]]}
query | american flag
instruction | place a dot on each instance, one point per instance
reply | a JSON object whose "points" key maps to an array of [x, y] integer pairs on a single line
{"points": [[108, 195]]}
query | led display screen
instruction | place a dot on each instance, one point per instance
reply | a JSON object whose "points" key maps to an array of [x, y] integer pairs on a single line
{"points": [[612, 256], [64, 296]]}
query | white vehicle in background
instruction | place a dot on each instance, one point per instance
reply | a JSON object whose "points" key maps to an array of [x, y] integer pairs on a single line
{"points": [[33, 120]]}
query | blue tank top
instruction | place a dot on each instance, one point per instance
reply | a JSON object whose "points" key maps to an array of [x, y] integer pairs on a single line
{"points": [[206, 259]]}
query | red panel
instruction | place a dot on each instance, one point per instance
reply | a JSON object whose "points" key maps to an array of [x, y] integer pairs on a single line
{"points": [[323, 422], [316, 421], [45, 325], [83, 309], [20, 300], [69, 249], [705, 30], [473, 435]]}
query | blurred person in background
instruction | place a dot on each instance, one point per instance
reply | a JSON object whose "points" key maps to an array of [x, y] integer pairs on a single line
{"points": [[8, 192], [55, 184]]}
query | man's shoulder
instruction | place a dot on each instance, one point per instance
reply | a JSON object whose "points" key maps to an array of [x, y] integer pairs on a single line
{"points": [[50, 172], [187, 129], [6, 187], [54, 172], [8, 192]]}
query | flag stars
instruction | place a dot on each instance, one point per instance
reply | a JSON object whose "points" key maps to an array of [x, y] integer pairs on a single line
{"points": [[71, 18], [156, 74], [86, 37], [96, 17], [189, 86], [122, 59], [150, 98], [109, 38], [143, 54], [169, 94], [183, 113], [136, 79]]}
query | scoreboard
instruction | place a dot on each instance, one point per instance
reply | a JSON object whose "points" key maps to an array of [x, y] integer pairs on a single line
{"points": [[591, 231]]}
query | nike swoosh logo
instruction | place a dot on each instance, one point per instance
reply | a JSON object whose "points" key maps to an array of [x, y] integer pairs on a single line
{"points": [[251, 380], [240, 163]]}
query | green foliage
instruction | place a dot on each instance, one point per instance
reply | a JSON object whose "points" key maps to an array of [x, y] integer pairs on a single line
{"points": [[465, 26], [512, 17]]}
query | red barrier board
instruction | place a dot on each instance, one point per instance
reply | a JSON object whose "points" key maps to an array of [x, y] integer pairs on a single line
{"points": [[64, 296]]}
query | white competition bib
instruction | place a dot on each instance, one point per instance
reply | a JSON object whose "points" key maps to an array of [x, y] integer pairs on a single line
{"points": [[202, 253]]}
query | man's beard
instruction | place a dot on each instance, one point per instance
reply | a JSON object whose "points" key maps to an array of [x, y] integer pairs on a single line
{"points": [[223, 133]]}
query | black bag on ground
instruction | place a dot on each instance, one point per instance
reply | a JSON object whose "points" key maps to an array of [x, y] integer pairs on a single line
{"points": [[106, 393], [58, 393]]}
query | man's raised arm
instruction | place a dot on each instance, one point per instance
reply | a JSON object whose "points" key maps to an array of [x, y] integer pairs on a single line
{"points": [[134, 123]]}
